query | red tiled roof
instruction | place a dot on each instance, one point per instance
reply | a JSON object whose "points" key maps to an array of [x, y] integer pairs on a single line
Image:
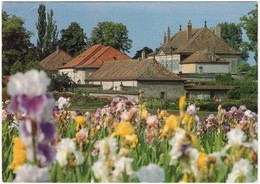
{"points": [[206, 39], [147, 69], [202, 38], [55, 60], [203, 56], [95, 56], [209, 87]]}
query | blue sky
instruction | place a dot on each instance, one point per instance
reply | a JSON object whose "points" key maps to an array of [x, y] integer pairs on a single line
{"points": [[146, 21]]}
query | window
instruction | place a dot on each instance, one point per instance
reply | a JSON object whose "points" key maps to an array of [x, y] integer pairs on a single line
{"points": [[233, 66], [212, 94], [188, 95], [201, 69], [162, 95]]}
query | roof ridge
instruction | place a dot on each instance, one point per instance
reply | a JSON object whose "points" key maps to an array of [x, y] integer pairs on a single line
{"points": [[90, 55], [196, 34], [49, 57], [78, 66]]}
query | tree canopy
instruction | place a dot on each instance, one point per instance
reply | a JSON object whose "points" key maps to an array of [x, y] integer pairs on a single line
{"points": [[51, 36], [47, 32], [249, 23], [138, 53], [15, 40], [73, 39], [41, 28], [111, 34], [232, 35]]}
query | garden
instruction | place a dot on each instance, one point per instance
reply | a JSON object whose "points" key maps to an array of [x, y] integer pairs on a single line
{"points": [[46, 139]]}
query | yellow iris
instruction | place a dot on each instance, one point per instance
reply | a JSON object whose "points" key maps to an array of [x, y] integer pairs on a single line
{"points": [[172, 123], [193, 139], [133, 139], [182, 103], [185, 178], [80, 120], [144, 114], [202, 161], [123, 129], [163, 114], [19, 154]]}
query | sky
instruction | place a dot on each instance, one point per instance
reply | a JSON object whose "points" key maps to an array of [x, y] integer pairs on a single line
{"points": [[145, 21]]}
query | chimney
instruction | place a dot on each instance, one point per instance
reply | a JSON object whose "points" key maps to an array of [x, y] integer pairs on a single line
{"points": [[57, 49], [180, 28], [218, 31], [164, 38], [168, 35], [143, 55], [213, 58], [189, 32]]}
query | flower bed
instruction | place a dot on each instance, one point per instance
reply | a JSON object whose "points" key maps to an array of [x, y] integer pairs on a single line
{"points": [[122, 142]]}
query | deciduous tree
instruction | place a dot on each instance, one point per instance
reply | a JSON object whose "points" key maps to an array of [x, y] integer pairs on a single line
{"points": [[41, 28], [232, 35], [15, 41], [51, 36], [73, 39], [138, 53], [249, 23], [111, 34]]}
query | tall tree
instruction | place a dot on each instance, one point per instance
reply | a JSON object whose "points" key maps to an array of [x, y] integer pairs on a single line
{"points": [[249, 23], [51, 36], [15, 41], [41, 27], [73, 39], [111, 34], [138, 53], [232, 35]]}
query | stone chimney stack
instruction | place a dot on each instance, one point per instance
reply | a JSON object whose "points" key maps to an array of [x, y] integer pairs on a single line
{"points": [[218, 30], [143, 55], [164, 38], [57, 49], [189, 28], [168, 35]]}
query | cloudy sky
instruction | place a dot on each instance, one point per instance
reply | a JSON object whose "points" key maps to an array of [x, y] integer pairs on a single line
{"points": [[146, 21]]}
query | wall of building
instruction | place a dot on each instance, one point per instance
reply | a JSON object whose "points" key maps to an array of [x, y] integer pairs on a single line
{"points": [[115, 85], [206, 68], [70, 73], [154, 89], [78, 76], [203, 95], [188, 68], [232, 59], [171, 61], [213, 68]]}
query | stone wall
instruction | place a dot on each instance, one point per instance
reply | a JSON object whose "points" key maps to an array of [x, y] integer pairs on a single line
{"points": [[204, 95], [157, 89]]}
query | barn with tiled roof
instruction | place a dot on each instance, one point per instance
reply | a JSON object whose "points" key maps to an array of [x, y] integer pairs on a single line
{"points": [[146, 75], [89, 61], [55, 60], [197, 51]]}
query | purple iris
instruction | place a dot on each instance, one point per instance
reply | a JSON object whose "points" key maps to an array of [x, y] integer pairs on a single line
{"points": [[48, 132], [115, 101], [45, 154], [184, 149], [38, 106]]}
